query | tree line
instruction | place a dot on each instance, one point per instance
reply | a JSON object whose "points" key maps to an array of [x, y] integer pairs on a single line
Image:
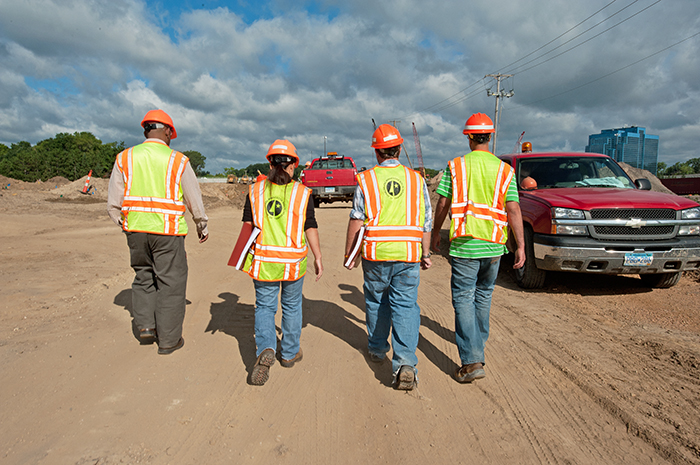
{"points": [[71, 156], [691, 166]]}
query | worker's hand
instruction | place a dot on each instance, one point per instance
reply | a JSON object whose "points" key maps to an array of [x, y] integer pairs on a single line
{"points": [[354, 262], [425, 263], [435, 241], [519, 259], [318, 267]]}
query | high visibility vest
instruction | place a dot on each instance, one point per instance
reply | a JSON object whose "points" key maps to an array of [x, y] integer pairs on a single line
{"points": [[153, 201], [394, 213], [280, 248], [479, 186]]}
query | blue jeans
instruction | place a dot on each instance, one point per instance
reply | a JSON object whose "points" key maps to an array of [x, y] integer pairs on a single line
{"points": [[265, 310], [472, 286], [391, 301]]}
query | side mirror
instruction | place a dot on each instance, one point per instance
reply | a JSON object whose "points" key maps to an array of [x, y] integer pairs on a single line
{"points": [[643, 184]]}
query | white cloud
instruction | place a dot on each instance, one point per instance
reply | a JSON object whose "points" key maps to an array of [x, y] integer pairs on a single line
{"points": [[233, 86]]}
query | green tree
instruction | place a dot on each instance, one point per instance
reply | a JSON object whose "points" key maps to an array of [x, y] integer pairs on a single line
{"points": [[197, 161], [661, 168], [679, 169], [694, 163]]}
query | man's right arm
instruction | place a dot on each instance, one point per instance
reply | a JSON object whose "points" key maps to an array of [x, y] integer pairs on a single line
{"points": [[115, 195]]}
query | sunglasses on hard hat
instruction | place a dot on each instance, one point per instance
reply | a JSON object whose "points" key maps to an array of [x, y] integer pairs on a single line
{"points": [[279, 159], [150, 126]]}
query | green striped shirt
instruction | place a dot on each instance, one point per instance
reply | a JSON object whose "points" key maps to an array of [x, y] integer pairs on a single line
{"points": [[468, 247]]}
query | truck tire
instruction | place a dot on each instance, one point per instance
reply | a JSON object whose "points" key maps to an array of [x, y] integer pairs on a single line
{"points": [[660, 280], [529, 276]]}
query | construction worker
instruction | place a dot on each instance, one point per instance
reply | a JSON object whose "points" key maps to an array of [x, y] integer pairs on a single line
{"points": [[392, 202], [150, 188], [480, 192], [282, 209]]}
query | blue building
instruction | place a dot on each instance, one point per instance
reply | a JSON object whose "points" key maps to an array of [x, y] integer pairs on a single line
{"points": [[629, 145]]}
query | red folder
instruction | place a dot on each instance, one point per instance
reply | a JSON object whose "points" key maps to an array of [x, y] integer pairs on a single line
{"points": [[245, 240], [355, 250]]}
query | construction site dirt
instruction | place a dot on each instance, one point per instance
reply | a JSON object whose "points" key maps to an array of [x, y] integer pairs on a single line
{"points": [[588, 370]]}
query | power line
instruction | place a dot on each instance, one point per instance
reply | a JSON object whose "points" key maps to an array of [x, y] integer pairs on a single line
{"points": [[616, 71], [560, 36], [585, 41]]}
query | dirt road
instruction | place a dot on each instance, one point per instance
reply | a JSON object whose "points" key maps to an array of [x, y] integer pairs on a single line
{"points": [[590, 370]]}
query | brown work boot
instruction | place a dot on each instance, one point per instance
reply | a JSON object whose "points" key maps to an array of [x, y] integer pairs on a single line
{"points": [[261, 369], [468, 373], [406, 378], [290, 363]]}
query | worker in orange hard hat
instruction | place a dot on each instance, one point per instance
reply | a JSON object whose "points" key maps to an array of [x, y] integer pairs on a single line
{"points": [[482, 210], [392, 203], [283, 210], [528, 183], [150, 189], [527, 147]]}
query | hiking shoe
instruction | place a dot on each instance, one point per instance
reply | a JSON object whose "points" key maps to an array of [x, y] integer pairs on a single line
{"points": [[261, 370], [170, 350], [468, 373], [290, 363], [406, 378]]}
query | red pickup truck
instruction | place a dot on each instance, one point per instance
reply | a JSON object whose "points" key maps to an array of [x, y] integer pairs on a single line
{"points": [[582, 213], [330, 178]]}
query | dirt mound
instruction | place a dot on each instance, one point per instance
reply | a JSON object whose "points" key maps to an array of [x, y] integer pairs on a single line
{"points": [[637, 173], [58, 181], [73, 190]]}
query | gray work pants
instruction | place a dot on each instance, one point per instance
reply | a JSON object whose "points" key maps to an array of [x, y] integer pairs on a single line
{"points": [[158, 290]]}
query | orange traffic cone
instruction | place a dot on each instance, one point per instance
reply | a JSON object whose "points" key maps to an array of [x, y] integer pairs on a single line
{"points": [[87, 183]]}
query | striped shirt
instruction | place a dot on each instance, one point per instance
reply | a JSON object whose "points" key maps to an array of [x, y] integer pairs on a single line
{"points": [[467, 247]]}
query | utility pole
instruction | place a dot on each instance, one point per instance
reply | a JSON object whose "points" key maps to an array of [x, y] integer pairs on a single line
{"points": [[498, 94]]}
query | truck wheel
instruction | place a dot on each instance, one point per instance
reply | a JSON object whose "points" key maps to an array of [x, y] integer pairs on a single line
{"points": [[317, 202], [529, 276], [660, 280]]}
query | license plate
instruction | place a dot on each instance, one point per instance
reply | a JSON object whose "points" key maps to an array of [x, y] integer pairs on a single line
{"points": [[638, 259], [330, 189]]}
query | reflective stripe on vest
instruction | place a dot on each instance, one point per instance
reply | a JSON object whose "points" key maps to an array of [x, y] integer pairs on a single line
{"points": [[394, 213], [280, 248], [479, 185], [153, 201]]}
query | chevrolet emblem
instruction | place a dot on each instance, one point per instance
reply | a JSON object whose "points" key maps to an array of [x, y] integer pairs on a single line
{"points": [[635, 223]]}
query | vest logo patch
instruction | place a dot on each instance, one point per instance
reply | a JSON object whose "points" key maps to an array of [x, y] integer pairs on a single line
{"points": [[274, 208], [393, 187]]}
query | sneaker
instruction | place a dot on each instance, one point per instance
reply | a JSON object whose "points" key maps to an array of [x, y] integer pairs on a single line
{"points": [[406, 378], [261, 370], [290, 363], [468, 373]]}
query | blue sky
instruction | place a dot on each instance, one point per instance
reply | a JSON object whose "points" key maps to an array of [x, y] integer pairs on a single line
{"points": [[236, 75]]}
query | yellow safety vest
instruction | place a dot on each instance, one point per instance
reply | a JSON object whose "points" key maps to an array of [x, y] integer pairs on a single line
{"points": [[479, 186], [394, 213], [153, 201], [280, 248]]}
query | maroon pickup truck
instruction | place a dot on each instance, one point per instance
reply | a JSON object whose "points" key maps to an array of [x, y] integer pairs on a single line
{"points": [[330, 178], [582, 213]]}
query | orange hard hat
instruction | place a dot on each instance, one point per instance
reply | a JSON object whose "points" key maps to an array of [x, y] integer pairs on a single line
{"points": [[283, 147], [528, 183], [527, 147], [159, 116], [386, 136], [478, 123]]}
